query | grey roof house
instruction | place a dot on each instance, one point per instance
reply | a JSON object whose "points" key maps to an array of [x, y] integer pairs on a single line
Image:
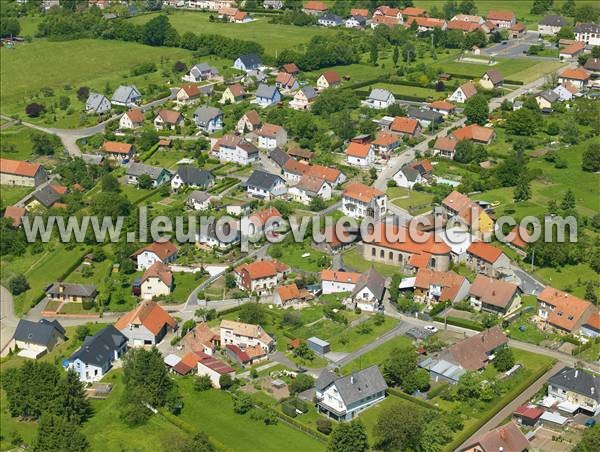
{"points": [[248, 62], [380, 99], [158, 175], [264, 185], [368, 292], [199, 200], [126, 96], [97, 104], [72, 292], [279, 157], [188, 175], [45, 196], [267, 95], [200, 72], [425, 117], [34, 339], [576, 390], [343, 398], [208, 119]]}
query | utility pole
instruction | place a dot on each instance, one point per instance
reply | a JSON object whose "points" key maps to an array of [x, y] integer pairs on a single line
{"points": [[532, 258]]}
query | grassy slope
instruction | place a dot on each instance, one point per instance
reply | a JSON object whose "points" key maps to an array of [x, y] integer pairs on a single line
{"points": [[19, 137]]}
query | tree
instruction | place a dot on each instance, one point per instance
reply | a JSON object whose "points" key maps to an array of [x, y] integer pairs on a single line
{"points": [[110, 184], [523, 122], [401, 362], [145, 181], [252, 313], [317, 204], [466, 152], [570, 133], [596, 52], [477, 109], [71, 402], [395, 55], [147, 139], [349, 436], [568, 8], [146, 378], [83, 93], [590, 160], [541, 6], [18, 284], [565, 32], [230, 281], [225, 382], [399, 427], [304, 352], [81, 332], [324, 426], [590, 440], [374, 54], [44, 144], [199, 443], [586, 13], [242, 403], [34, 110], [568, 202], [64, 102], [179, 66], [522, 190], [57, 433], [159, 32], [590, 292], [469, 386], [302, 382], [9, 26], [450, 9], [504, 359]]}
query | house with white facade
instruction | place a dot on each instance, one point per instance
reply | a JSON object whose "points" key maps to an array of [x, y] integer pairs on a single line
{"points": [[190, 176], [310, 187], [589, 33], [34, 339], [267, 95], [97, 104], [157, 281], [368, 292], [303, 98], [550, 25], [249, 122], [264, 185], [233, 148], [132, 119], [329, 79], [360, 154], [260, 276], [379, 99], [245, 335], [407, 177], [463, 93], [576, 390], [126, 96], [248, 62], [271, 136], [199, 200], [362, 201], [200, 72], [168, 120], [333, 281], [146, 324], [208, 119], [188, 94], [164, 252]]}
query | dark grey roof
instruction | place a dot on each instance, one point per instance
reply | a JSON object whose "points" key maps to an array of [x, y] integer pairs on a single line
{"points": [[587, 28], [203, 115], [73, 289], [549, 95], [325, 379], [309, 92], [554, 20], [360, 19], [100, 348], [138, 169], [410, 173], [379, 94], [360, 385], [373, 281], [495, 76], [199, 196], [250, 60], [248, 147], [330, 17], [191, 175], [578, 381], [46, 196], [263, 180], [424, 115], [210, 231], [202, 68], [266, 91], [206, 90], [92, 159], [279, 156], [39, 333]]}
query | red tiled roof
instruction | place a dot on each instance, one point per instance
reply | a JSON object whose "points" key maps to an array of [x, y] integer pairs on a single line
{"points": [[412, 11], [149, 314], [241, 355], [400, 239], [419, 260], [339, 276], [331, 175], [449, 281], [576, 74], [568, 309], [160, 271], [240, 15], [463, 25], [358, 150], [385, 139], [474, 132], [270, 130], [469, 89], [404, 125], [16, 214], [594, 321], [500, 15], [294, 166], [445, 144], [291, 292], [529, 411], [191, 90], [115, 147], [162, 249], [485, 251], [520, 235], [286, 80], [136, 115], [493, 291], [386, 20], [18, 167], [361, 192], [359, 12], [228, 140], [291, 68], [253, 117], [169, 116], [519, 26], [58, 189], [261, 269], [315, 6], [332, 77], [262, 216], [427, 22], [442, 105]]}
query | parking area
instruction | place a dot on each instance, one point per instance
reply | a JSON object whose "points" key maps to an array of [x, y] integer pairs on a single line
{"points": [[515, 48]]}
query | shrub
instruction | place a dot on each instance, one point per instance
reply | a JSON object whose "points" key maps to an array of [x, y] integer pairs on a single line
{"points": [[225, 382], [34, 110], [242, 403], [203, 383], [18, 285], [289, 409], [324, 426]]}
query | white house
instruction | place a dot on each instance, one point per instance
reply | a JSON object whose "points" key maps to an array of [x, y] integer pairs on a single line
{"points": [[199, 200], [578, 77], [260, 276], [271, 136], [97, 104], [576, 390], [247, 63], [267, 95], [303, 98], [310, 187], [164, 252], [368, 292], [34, 339], [148, 323], [551, 24], [329, 79], [213, 368], [380, 99], [190, 176], [208, 119], [200, 72], [187, 94], [330, 20], [168, 119], [338, 281], [244, 335], [407, 177], [356, 21], [132, 119], [264, 185], [126, 96], [232, 148], [360, 154], [343, 398], [362, 201], [463, 93], [566, 91], [156, 281], [588, 33]]}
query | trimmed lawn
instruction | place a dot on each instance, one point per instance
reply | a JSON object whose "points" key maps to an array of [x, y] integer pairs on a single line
{"points": [[184, 284], [416, 202], [354, 261], [376, 356], [405, 90], [20, 138], [273, 37], [292, 255], [11, 194], [212, 411], [570, 277], [356, 339], [166, 158]]}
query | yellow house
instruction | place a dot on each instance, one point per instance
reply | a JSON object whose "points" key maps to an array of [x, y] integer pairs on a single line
{"points": [[72, 293], [232, 94]]}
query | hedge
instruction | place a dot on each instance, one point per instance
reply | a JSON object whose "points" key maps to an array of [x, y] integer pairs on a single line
{"points": [[228, 311], [513, 82], [463, 323], [289, 410], [146, 196], [415, 400], [505, 400], [150, 152]]}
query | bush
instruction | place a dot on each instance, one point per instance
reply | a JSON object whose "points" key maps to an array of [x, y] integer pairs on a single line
{"points": [[203, 383], [34, 110], [18, 285], [289, 410], [242, 403], [225, 382], [324, 426]]}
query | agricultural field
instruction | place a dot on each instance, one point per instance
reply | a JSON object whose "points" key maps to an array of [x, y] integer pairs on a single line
{"points": [[10, 194], [15, 142]]}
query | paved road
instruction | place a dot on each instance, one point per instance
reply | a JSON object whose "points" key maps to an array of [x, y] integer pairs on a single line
{"points": [[529, 285]]}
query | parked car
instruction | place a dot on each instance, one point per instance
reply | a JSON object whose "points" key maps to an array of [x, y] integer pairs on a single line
{"points": [[431, 328]]}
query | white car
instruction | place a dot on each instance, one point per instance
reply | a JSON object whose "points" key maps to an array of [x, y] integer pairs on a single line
{"points": [[431, 328]]}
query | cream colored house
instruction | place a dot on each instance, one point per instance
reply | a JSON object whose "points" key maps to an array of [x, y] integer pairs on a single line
{"points": [[157, 281], [26, 174]]}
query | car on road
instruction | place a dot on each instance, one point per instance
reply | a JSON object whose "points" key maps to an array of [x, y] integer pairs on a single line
{"points": [[431, 328]]}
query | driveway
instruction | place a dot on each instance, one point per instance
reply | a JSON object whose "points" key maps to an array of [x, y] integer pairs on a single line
{"points": [[514, 48]]}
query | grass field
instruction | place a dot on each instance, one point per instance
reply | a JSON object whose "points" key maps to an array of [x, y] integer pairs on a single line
{"points": [[11, 194], [416, 91], [18, 137], [355, 262], [273, 37], [376, 356], [415, 202], [356, 339], [292, 255]]}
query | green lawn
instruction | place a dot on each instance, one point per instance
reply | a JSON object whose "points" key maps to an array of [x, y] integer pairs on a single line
{"points": [[212, 411], [355, 339], [273, 37], [405, 90], [18, 137], [414, 201], [354, 261], [11, 194], [167, 158], [292, 255], [184, 284], [376, 356]]}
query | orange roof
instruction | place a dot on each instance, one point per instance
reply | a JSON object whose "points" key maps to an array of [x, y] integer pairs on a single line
{"points": [[240, 15], [419, 260], [500, 15], [389, 21], [576, 74], [427, 22], [442, 105], [226, 11], [493, 291], [400, 239], [294, 166], [385, 139], [162, 249], [78, 187], [285, 79], [310, 183], [170, 116], [412, 11], [331, 77], [424, 164], [341, 277], [388, 11], [237, 90], [191, 90], [445, 144], [136, 115], [115, 147], [521, 234], [160, 271], [331, 175], [519, 26], [485, 251], [594, 321], [361, 192], [149, 314], [474, 132], [359, 12], [570, 87], [315, 6], [449, 281], [262, 216], [58, 189], [291, 68], [18, 167], [291, 292], [463, 25], [404, 125], [16, 214], [270, 130], [568, 309], [199, 337], [358, 150], [262, 269]]}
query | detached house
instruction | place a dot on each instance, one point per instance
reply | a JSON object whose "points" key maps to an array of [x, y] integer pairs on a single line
{"points": [[435, 286], [551, 24], [97, 354], [314, 8], [72, 292], [248, 62], [444, 107], [471, 215], [267, 95], [546, 100], [356, 21], [245, 335], [97, 104], [588, 33], [232, 148], [577, 391], [188, 94], [126, 96], [233, 94], [491, 79], [407, 177], [199, 200], [487, 259], [156, 281], [572, 51], [330, 20], [25, 174], [329, 79], [445, 147], [291, 295], [359, 154], [190, 176], [264, 185], [368, 292], [362, 201], [426, 117], [157, 175], [494, 295], [562, 311], [338, 281], [343, 398], [260, 276], [249, 122], [502, 19], [385, 143], [271, 136], [476, 133], [405, 126], [286, 82], [303, 98], [504, 438], [147, 324], [201, 72], [578, 77], [310, 187], [208, 119], [463, 93], [379, 99], [34, 339], [168, 119], [164, 252], [117, 151], [291, 68], [132, 119]]}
